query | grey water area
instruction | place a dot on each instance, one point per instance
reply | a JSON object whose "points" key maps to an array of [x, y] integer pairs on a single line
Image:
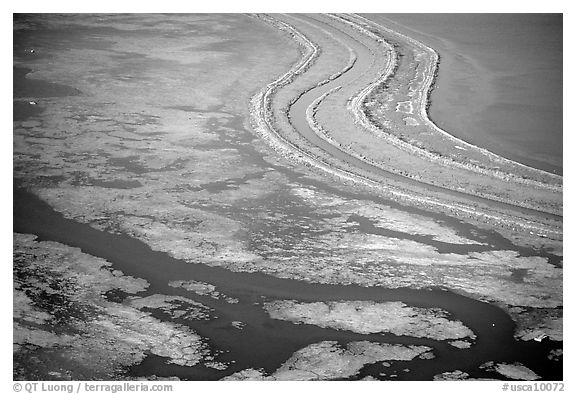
{"points": [[27, 88], [499, 82]]}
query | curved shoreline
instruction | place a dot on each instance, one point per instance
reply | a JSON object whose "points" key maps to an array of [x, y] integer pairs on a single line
{"points": [[263, 121], [355, 104], [481, 86], [424, 102]]}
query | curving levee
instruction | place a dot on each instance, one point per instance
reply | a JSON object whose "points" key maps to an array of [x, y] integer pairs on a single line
{"points": [[423, 92], [342, 109]]}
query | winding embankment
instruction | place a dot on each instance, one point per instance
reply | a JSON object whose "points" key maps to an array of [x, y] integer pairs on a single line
{"points": [[342, 109], [421, 95], [423, 102]]}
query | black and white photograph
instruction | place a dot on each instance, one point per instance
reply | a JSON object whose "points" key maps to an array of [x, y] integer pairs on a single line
{"points": [[287, 196]]}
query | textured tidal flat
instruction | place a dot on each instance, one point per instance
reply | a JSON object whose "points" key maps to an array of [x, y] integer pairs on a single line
{"points": [[192, 250], [65, 326]]}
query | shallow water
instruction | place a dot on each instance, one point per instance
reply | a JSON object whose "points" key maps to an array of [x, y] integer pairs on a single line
{"points": [[500, 80], [23, 86], [267, 343]]}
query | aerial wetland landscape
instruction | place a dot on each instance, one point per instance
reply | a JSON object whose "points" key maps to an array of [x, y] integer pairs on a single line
{"points": [[287, 197]]}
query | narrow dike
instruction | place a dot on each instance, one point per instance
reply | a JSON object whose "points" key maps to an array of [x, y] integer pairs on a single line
{"points": [[423, 102], [353, 169]]}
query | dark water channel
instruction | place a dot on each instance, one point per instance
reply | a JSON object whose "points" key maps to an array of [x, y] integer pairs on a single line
{"points": [[267, 343]]}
